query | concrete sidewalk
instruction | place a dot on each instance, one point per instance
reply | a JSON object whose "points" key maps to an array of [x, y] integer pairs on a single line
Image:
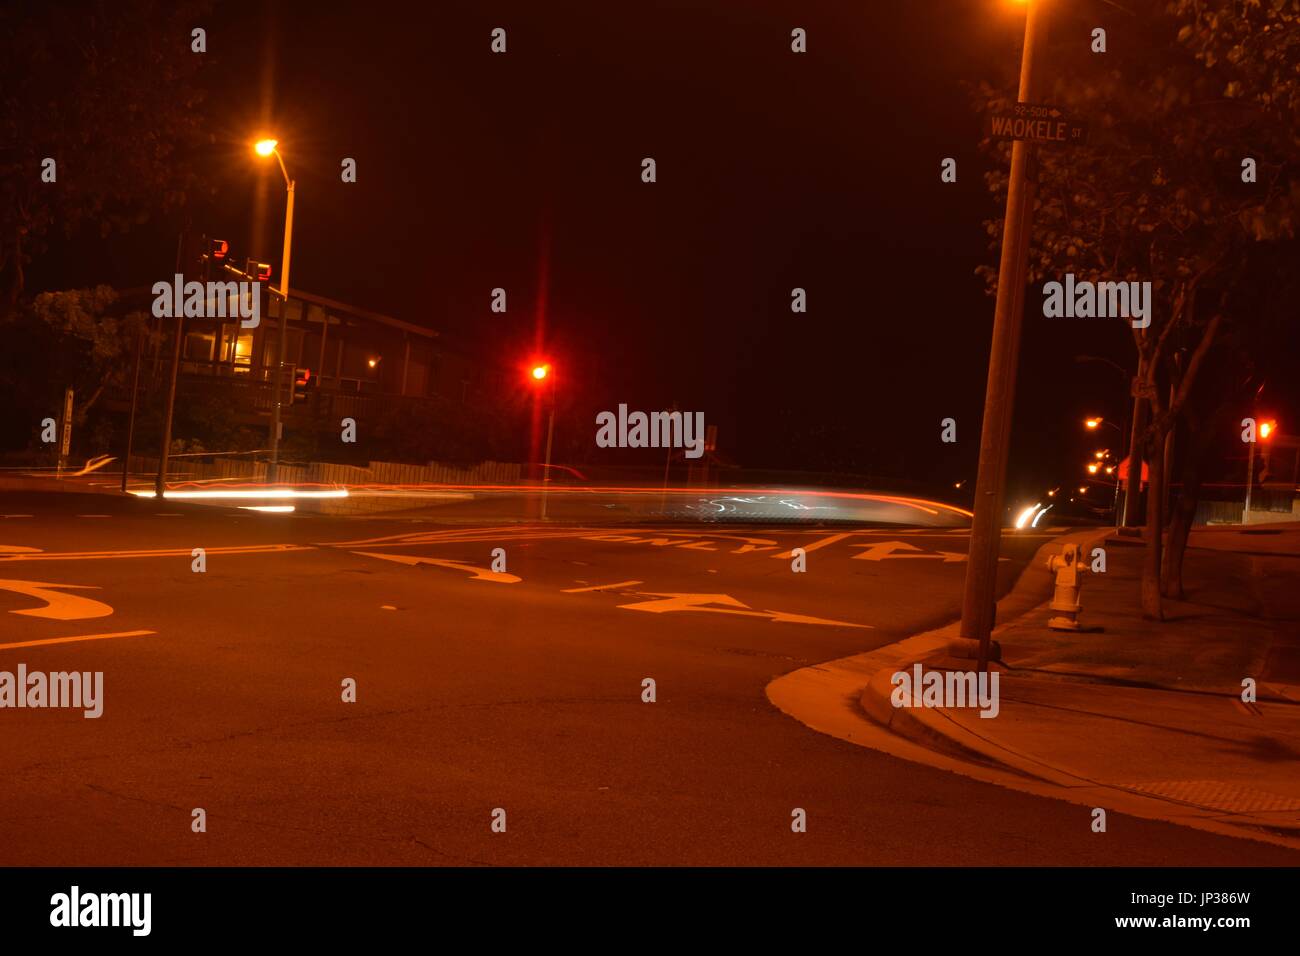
{"points": [[1143, 707]]}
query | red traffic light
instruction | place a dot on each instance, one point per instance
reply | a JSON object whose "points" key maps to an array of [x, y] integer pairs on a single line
{"points": [[301, 376], [219, 248], [539, 372], [261, 271]]}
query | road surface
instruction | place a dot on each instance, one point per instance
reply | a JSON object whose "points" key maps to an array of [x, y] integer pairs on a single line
{"points": [[516, 688]]}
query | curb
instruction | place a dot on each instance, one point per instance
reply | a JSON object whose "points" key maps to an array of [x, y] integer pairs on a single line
{"points": [[931, 727]]}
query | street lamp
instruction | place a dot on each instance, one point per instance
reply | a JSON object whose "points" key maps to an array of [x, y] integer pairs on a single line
{"points": [[270, 147], [1266, 430], [541, 373]]}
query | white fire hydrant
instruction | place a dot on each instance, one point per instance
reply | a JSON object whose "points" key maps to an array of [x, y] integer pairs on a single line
{"points": [[1065, 600]]}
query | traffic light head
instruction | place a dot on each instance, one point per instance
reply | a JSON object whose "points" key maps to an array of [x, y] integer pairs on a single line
{"points": [[218, 249], [260, 271], [301, 382], [1266, 430]]}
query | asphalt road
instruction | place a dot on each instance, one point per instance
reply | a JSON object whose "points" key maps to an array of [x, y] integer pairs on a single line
{"points": [[479, 689]]}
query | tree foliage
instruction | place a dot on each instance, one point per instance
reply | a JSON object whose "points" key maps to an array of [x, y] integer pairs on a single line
{"points": [[108, 91]]}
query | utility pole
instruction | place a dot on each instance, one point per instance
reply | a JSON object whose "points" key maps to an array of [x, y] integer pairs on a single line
{"points": [[979, 595], [160, 483], [550, 432]]}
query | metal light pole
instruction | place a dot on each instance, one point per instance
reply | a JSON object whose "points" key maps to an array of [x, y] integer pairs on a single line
{"points": [[986, 527], [550, 433], [135, 398], [267, 147], [1250, 482]]}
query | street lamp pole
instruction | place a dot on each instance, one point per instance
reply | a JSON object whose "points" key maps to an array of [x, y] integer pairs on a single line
{"points": [[986, 527], [264, 149], [546, 470]]}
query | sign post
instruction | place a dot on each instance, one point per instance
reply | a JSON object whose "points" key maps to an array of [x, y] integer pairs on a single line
{"points": [[65, 438]]}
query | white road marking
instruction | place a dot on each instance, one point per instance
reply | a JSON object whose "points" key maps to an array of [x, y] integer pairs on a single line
{"points": [[603, 587], [162, 553], [480, 574], [79, 637], [59, 606], [813, 546], [887, 549], [678, 601]]}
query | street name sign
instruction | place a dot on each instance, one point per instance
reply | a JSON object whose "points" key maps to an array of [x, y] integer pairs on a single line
{"points": [[1037, 123]]}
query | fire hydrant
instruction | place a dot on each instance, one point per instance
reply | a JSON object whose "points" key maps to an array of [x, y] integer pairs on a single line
{"points": [[1065, 600]]}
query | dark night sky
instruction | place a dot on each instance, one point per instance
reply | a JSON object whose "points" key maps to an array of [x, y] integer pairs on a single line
{"points": [[775, 170]]}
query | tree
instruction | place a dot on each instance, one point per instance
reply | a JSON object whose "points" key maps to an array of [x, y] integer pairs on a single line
{"points": [[106, 90], [1158, 193], [71, 339]]}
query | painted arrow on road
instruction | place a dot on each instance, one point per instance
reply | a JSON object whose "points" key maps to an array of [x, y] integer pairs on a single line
{"points": [[480, 574], [58, 606], [678, 601], [890, 549]]}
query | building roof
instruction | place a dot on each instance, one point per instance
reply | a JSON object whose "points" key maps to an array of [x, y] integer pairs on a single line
{"points": [[335, 306]]}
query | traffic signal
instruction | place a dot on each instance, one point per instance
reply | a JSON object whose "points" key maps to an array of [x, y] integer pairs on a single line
{"points": [[218, 248], [260, 271], [301, 382]]}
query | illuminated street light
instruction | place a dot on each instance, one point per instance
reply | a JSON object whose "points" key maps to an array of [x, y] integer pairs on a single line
{"points": [[1092, 468], [540, 373], [1266, 430], [269, 147]]}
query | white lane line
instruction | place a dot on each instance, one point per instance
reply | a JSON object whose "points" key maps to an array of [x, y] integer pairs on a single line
{"points": [[15, 516], [166, 552], [602, 587], [94, 516], [79, 637]]}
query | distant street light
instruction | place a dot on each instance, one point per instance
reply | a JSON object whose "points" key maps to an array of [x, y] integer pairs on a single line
{"points": [[1092, 424], [269, 147], [1266, 430], [540, 373]]}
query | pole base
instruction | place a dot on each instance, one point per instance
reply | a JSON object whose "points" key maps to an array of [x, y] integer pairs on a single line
{"points": [[966, 648], [1064, 624]]}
